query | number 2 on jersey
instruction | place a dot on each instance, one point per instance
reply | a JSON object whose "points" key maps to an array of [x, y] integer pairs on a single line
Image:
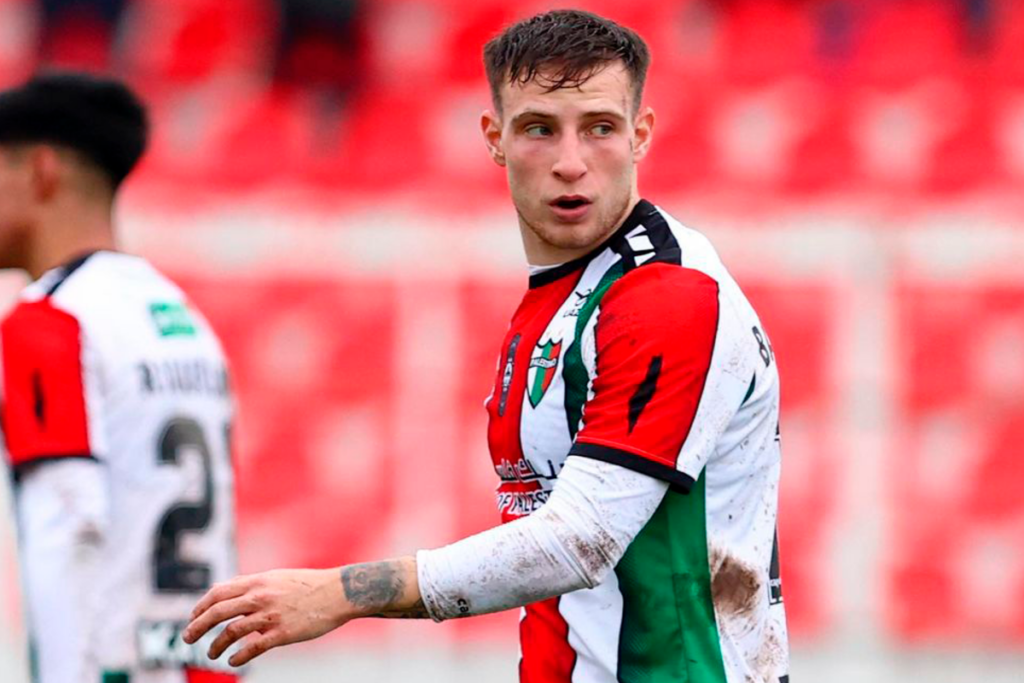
{"points": [[171, 572]]}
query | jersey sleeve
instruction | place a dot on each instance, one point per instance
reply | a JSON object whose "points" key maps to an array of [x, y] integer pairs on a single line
{"points": [[654, 339], [63, 522], [45, 408]]}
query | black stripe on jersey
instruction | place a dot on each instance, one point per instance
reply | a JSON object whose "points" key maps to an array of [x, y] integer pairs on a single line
{"points": [[750, 390], [644, 392], [638, 215], [38, 402], [665, 245], [66, 272], [678, 481], [20, 470]]}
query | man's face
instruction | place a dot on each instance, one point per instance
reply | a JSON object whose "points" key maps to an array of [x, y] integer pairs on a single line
{"points": [[15, 194], [571, 158]]}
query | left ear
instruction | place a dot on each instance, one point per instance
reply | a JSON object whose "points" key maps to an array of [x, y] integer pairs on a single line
{"points": [[643, 131], [47, 169]]}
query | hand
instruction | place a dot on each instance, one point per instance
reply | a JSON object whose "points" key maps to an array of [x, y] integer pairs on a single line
{"points": [[283, 606]]}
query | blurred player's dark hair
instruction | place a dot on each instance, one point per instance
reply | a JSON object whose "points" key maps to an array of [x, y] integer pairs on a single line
{"points": [[100, 118], [563, 49]]}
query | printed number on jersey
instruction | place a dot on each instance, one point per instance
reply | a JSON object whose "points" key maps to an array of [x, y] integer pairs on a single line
{"points": [[172, 572]]}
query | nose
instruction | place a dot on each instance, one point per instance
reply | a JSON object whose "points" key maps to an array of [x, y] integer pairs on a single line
{"points": [[569, 166]]}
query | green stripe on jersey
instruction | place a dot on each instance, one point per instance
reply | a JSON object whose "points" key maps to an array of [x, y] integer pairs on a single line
{"points": [[574, 372], [669, 634]]}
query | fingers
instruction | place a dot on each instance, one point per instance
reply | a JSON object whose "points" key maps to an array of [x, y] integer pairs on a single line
{"points": [[217, 611], [235, 631], [220, 592], [255, 647]]}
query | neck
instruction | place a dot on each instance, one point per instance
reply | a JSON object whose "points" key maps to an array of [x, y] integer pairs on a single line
{"points": [[65, 235], [539, 253]]}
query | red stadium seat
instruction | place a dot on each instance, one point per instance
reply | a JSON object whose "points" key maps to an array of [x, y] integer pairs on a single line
{"points": [[824, 156], [907, 41], [468, 25], [1007, 53], [764, 40], [960, 420], [379, 142], [261, 139], [18, 36], [800, 320], [186, 43], [967, 155], [682, 155], [79, 40], [1009, 130], [228, 140]]}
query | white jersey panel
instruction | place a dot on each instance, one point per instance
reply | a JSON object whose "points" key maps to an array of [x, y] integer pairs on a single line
{"points": [[589, 612]]}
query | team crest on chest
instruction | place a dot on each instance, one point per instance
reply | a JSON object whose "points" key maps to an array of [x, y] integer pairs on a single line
{"points": [[543, 365]]}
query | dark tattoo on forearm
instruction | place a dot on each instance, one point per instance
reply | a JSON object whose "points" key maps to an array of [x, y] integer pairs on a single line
{"points": [[376, 586]]}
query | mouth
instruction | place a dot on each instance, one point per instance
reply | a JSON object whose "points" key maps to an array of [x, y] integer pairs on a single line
{"points": [[570, 207]]}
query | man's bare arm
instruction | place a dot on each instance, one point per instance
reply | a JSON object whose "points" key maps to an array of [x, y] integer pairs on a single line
{"points": [[292, 605], [571, 543]]}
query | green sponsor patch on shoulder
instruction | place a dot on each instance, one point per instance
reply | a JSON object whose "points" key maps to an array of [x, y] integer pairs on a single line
{"points": [[172, 319]]}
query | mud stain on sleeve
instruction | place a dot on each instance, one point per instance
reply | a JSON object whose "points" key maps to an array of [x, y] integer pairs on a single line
{"points": [[736, 586]]}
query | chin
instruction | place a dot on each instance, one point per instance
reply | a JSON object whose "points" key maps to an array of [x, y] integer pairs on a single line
{"points": [[573, 237]]}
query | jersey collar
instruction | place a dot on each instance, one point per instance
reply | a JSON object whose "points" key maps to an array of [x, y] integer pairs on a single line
{"points": [[642, 209], [52, 279]]}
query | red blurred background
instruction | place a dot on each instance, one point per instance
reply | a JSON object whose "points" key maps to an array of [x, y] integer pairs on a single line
{"points": [[324, 196]]}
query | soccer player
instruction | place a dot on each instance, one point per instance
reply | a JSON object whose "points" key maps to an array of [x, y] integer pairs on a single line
{"points": [[114, 401], [633, 421]]}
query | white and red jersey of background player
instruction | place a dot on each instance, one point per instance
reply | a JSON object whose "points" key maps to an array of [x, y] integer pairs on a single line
{"points": [[110, 374]]}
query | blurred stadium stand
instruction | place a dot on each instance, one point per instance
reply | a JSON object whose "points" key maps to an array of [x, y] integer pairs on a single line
{"points": [[776, 97], [859, 163]]}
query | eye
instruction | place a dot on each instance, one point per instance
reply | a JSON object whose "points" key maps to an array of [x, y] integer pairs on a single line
{"points": [[602, 130], [537, 130]]}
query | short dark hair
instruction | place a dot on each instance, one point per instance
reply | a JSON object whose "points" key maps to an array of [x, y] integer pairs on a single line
{"points": [[565, 48], [98, 117]]}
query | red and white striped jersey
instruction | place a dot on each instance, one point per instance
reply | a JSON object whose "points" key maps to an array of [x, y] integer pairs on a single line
{"points": [[646, 354], [104, 360]]}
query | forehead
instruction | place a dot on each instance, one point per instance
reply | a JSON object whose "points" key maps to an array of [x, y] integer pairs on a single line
{"points": [[609, 89]]}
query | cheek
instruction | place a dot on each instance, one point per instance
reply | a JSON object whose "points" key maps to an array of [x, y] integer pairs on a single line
{"points": [[527, 167], [615, 160]]}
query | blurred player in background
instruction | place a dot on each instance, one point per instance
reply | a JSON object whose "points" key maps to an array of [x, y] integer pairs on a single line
{"points": [[633, 421], [115, 403]]}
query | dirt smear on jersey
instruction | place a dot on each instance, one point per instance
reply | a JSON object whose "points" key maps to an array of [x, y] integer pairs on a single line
{"points": [[773, 658], [735, 585], [594, 555]]}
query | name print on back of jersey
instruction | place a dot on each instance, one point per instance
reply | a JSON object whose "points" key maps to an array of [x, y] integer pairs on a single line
{"points": [[183, 376]]}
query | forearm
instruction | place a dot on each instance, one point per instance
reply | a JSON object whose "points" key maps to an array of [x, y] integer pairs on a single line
{"points": [[593, 515], [388, 589]]}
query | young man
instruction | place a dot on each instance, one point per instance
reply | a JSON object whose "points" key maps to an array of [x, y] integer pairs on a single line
{"points": [[633, 423], [114, 403]]}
